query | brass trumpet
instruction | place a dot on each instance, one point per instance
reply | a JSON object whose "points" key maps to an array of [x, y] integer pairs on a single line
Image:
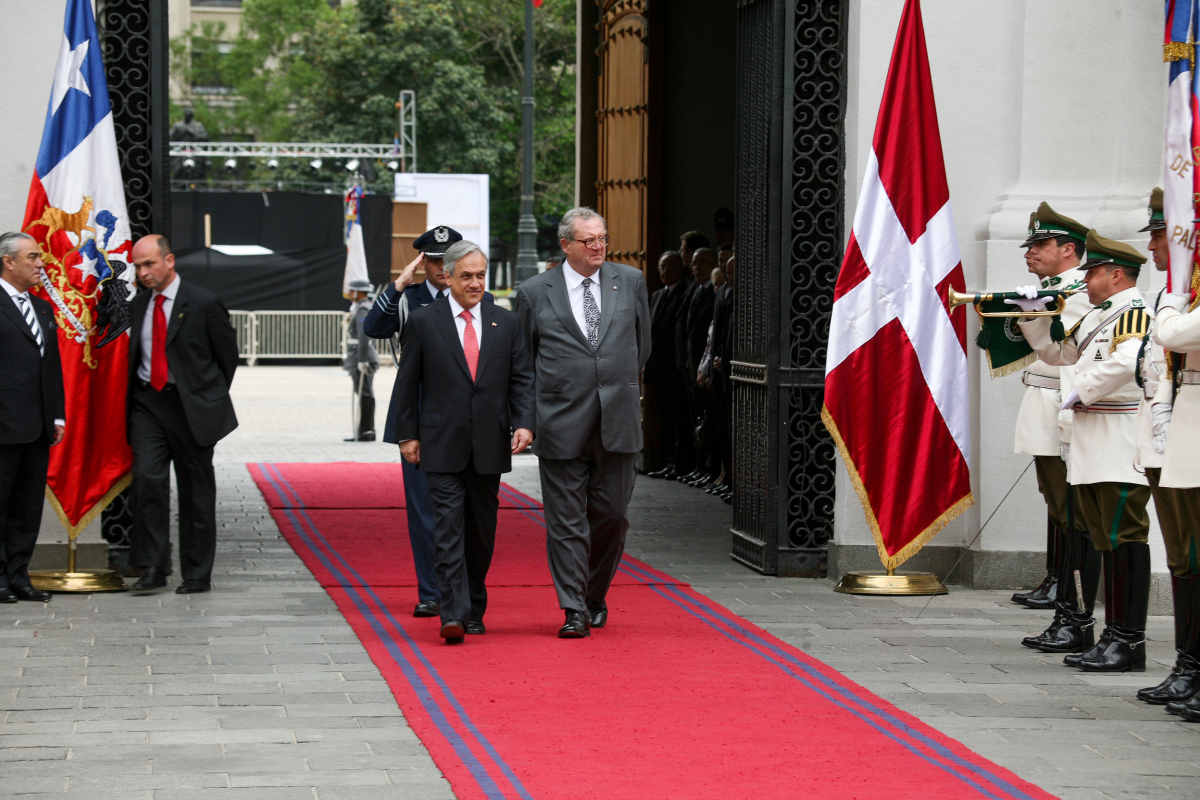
{"points": [[955, 299]]}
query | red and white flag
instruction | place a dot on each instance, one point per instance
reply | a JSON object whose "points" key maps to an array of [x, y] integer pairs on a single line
{"points": [[896, 384]]}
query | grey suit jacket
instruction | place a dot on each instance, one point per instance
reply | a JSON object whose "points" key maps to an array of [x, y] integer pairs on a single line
{"points": [[578, 388]]}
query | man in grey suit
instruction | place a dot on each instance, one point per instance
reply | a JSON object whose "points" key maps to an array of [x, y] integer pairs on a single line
{"points": [[587, 324]]}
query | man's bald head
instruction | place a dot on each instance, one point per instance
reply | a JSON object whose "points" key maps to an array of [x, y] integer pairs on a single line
{"points": [[154, 262]]}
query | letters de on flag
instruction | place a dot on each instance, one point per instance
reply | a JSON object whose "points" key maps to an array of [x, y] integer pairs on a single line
{"points": [[76, 211], [896, 386], [1181, 134]]}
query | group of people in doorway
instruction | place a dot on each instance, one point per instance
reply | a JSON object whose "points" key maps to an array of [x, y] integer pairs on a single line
{"points": [[1111, 417]]}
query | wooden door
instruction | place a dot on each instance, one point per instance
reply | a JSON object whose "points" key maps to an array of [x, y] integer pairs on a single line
{"points": [[623, 123], [408, 223]]}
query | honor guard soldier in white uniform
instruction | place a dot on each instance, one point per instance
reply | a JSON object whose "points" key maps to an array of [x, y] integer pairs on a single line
{"points": [[1176, 434], [361, 360], [1110, 494], [1177, 521], [1054, 253]]}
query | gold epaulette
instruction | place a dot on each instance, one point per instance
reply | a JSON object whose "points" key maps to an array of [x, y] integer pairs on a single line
{"points": [[1133, 324], [1075, 327]]}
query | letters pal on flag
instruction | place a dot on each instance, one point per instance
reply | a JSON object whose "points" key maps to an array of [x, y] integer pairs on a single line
{"points": [[76, 211], [1179, 179], [896, 385]]}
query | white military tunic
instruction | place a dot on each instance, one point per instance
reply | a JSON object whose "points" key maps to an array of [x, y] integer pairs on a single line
{"points": [[1037, 421], [1153, 371], [1180, 333], [1103, 348]]}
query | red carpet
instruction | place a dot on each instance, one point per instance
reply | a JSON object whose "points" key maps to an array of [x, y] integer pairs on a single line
{"points": [[677, 698]]}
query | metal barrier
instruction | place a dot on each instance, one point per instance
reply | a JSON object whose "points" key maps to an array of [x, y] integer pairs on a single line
{"points": [[295, 334]]}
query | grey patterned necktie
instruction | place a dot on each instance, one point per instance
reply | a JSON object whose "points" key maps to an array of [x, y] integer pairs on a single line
{"points": [[591, 314], [30, 320]]}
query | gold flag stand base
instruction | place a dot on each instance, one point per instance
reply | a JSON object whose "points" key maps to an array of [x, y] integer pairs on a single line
{"points": [[890, 583], [73, 580]]}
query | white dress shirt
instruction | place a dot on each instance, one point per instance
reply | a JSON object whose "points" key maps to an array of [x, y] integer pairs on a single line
{"points": [[575, 293], [460, 324], [147, 334], [14, 294]]}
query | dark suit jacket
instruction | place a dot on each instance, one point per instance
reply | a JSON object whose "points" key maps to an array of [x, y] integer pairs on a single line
{"points": [[723, 327], [460, 422], [699, 317], [681, 328], [202, 352], [664, 313], [579, 388], [31, 386], [383, 322]]}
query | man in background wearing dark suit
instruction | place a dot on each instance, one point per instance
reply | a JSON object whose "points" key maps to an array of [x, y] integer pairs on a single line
{"points": [[464, 406], [182, 355], [32, 410], [385, 320], [668, 391]]}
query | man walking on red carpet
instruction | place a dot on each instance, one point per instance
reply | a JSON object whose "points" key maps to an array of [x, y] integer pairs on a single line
{"points": [[465, 362], [588, 327]]}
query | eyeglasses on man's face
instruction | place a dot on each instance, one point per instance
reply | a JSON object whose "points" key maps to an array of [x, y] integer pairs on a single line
{"points": [[594, 242]]}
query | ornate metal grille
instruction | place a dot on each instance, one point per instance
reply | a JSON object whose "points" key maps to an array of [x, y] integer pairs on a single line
{"points": [[791, 101], [133, 38]]}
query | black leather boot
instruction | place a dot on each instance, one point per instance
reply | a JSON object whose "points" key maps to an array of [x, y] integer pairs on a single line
{"points": [[1106, 563], [1184, 680], [1130, 601], [1045, 594], [1075, 629]]}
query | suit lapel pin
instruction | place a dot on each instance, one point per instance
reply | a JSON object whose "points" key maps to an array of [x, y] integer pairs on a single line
{"points": [[493, 324], [614, 288], [181, 315]]}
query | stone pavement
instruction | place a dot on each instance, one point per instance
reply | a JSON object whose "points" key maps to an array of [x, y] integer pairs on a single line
{"points": [[260, 691]]}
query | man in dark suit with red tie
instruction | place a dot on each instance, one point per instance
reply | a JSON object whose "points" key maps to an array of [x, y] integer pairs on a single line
{"points": [[467, 364], [182, 355], [32, 410]]}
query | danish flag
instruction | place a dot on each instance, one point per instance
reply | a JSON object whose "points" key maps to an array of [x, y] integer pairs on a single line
{"points": [[896, 386]]}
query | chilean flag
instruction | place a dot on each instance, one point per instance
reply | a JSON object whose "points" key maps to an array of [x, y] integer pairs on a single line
{"points": [[1182, 131], [76, 211], [896, 376]]}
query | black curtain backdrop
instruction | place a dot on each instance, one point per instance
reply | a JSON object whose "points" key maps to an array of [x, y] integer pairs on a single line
{"points": [[305, 231]]}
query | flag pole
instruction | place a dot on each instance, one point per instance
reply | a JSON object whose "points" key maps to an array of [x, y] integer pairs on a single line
{"points": [[527, 225]]}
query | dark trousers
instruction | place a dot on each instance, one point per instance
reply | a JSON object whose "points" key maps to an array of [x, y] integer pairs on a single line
{"points": [[364, 390], [23, 470], [160, 436], [586, 501], [464, 532], [723, 407], [675, 420], [419, 510]]}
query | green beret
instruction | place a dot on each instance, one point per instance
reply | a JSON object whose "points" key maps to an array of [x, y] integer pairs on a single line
{"points": [[1158, 220], [1046, 223], [1101, 250]]}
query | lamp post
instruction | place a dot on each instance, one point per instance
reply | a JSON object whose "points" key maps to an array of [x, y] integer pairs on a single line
{"points": [[527, 225]]}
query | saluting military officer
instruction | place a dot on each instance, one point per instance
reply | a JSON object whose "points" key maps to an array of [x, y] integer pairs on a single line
{"points": [[1110, 494], [1177, 490], [1054, 253], [361, 360], [1175, 519]]}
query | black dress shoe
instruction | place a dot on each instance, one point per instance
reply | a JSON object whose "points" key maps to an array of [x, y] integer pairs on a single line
{"points": [[427, 608], [1182, 684], [27, 592], [6, 595], [452, 631], [152, 578], [475, 627], [667, 472], [193, 587], [597, 618], [576, 626]]}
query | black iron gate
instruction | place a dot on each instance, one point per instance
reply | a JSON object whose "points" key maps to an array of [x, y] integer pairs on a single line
{"points": [[134, 40], [791, 200]]}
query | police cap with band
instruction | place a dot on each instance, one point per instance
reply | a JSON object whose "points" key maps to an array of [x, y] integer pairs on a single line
{"points": [[1158, 220], [1102, 251], [434, 243], [359, 285], [1046, 223]]}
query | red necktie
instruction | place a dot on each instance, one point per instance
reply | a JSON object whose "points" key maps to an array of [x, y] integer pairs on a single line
{"points": [[158, 346], [470, 344]]}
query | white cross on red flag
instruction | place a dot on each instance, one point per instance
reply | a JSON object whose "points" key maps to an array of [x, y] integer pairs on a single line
{"points": [[896, 386]]}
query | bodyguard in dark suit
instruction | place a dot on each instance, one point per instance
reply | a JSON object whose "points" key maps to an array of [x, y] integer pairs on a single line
{"points": [[385, 320], [670, 397], [32, 410], [182, 355], [588, 327], [464, 400], [699, 318]]}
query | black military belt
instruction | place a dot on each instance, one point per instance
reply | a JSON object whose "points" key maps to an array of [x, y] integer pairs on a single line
{"points": [[147, 386]]}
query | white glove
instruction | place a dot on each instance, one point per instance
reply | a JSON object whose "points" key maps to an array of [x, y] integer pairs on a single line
{"points": [[1064, 451], [364, 368], [1028, 292], [1161, 413], [1030, 306], [1071, 400], [1177, 301]]}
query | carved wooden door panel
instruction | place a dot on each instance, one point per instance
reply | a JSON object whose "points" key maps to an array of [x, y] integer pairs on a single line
{"points": [[622, 120]]}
